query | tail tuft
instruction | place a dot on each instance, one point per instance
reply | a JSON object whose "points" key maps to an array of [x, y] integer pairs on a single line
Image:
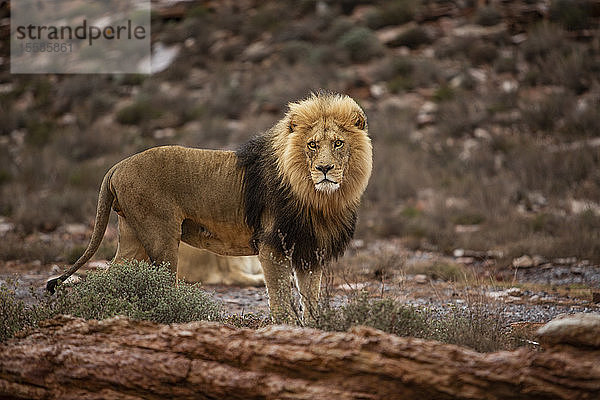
{"points": [[52, 283]]}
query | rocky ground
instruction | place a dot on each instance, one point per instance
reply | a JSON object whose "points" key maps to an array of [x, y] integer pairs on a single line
{"points": [[524, 293]]}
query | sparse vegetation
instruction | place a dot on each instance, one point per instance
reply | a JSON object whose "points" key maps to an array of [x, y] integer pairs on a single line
{"points": [[144, 291], [360, 43], [137, 290]]}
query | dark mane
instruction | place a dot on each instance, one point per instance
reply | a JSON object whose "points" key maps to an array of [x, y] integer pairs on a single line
{"points": [[294, 234]]}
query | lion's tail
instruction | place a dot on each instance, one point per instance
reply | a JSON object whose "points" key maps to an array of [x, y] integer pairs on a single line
{"points": [[105, 199]]}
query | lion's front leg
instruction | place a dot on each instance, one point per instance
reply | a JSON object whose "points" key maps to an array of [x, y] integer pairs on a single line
{"points": [[278, 272], [309, 285]]}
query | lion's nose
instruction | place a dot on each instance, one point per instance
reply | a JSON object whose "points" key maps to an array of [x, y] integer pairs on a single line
{"points": [[324, 168]]}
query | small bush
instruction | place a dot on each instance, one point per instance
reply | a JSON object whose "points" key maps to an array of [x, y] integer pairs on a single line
{"points": [[543, 116], [542, 40], [15, 314], [392, 13], [137, 112], [482, 53], [412, 38], [572, 15], [137, 290], [488, 16], [383, 314], [478, 325], [446, 271], [361, 44]]}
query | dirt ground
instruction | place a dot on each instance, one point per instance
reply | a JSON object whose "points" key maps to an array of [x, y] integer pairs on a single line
{"points": [[386, 269]]}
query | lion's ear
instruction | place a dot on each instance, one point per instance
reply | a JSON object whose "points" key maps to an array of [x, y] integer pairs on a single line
{"points": [[360, 122], [292, 125]]}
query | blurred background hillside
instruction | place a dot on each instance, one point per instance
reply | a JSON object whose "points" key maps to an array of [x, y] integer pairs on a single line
{"points": [[484, 117]]}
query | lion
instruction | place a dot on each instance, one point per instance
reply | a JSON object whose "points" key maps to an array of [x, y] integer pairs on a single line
{"points": [[290, 195], [196, 265]]}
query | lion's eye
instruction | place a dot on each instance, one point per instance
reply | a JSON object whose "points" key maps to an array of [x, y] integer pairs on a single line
{"points": [[338, 144], [312, 145]]}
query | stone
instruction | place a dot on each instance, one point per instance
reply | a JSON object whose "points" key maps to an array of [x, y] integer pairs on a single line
{"points": [[582, 330], [522, 262], [421, 279]]}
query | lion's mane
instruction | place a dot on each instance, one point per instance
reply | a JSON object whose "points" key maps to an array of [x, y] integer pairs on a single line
{"points": [[309, 226]]}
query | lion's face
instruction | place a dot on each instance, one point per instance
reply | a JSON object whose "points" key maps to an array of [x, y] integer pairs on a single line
{"points": [[325, 148], [327, 152]]}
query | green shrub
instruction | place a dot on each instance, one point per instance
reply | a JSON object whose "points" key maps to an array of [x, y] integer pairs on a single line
{"points": [[384, 314], [392, 13], [15, 314], [412, 38], [361, 44], [477, 325], [488, 16], [137, 290], [482, 53], [571, 14], [137, 112]]}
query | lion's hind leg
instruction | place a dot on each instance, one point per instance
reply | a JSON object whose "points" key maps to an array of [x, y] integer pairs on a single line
{"points": [[160, 238], [129, 246]]}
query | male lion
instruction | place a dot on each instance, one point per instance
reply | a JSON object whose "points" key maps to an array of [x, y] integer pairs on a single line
{"points": [[197, 265], [289, 195]]}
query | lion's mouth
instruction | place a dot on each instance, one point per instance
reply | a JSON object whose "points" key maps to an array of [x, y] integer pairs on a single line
{"points": [[325, 180], [327, 186]]}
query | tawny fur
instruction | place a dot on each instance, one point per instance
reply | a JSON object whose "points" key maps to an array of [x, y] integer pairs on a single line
{"points": [[290, 195], [197, 265]]}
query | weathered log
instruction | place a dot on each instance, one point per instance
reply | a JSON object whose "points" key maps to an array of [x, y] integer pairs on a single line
{"points": [[68, 358]]}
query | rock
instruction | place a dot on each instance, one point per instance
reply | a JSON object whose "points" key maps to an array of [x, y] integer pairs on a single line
{"points": [[389, 35], [76, 229], [483, 134], [164, 133], [458, 252], [256, 52], [509, 86], [582, 206], [466, 228], [522, 262], [421, 279], [427, 112], [478, 31], [465, 260], [6, 227], [377, 90], [163, 56], [564, 261], [539, 260], [581, 329], [352, 287]]}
